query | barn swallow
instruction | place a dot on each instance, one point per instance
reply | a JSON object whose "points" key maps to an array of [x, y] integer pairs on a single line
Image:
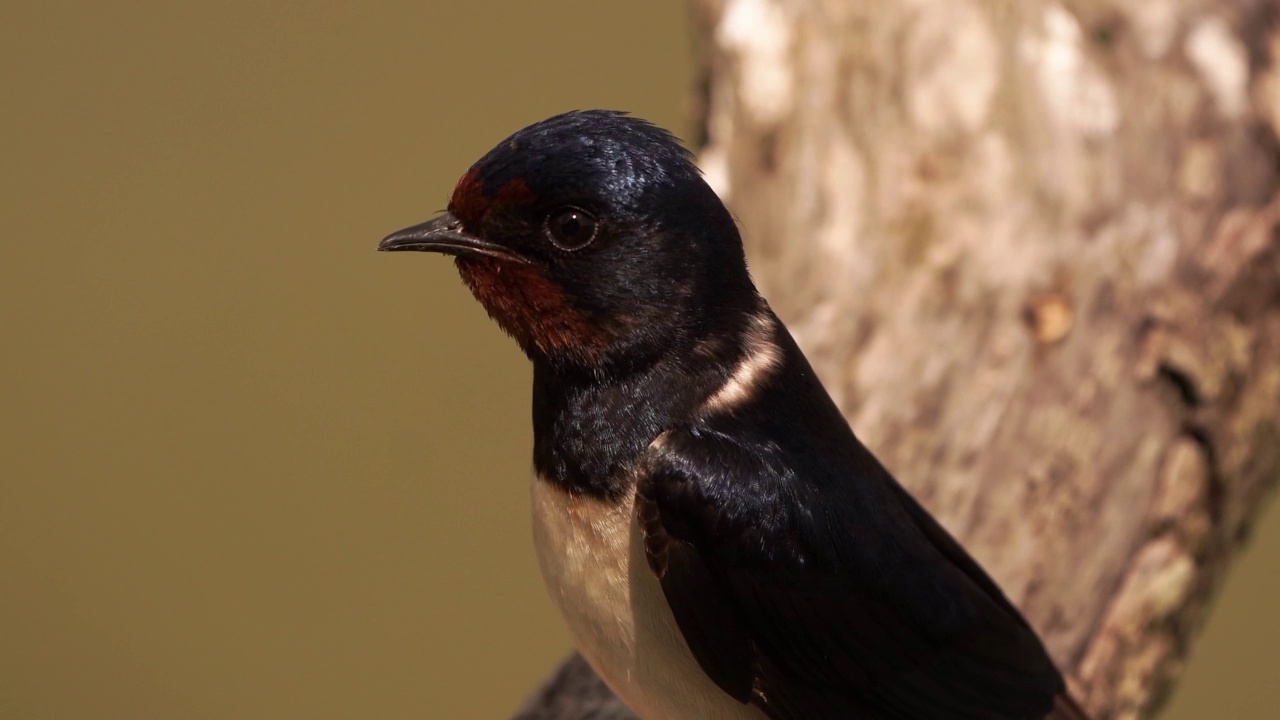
{"points": [[719, 542]]}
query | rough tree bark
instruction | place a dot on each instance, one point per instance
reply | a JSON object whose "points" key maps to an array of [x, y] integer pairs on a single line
{"points": [[1031, 247]]}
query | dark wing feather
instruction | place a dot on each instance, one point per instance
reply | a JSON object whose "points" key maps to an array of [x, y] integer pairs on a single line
{"points": [[829, 599], [702, 612]]}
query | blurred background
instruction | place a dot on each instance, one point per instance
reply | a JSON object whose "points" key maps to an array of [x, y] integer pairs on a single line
{"points": [[249, 467]]}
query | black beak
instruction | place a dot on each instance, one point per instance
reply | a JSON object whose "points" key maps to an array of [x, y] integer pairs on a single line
{"points": [[446, 235]]}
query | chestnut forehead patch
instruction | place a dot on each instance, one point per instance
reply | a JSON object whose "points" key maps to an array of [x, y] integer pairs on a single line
{"points": [[471, 204]]}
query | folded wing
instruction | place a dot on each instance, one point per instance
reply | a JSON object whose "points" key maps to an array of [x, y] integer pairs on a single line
{"points": [[829, 596]]}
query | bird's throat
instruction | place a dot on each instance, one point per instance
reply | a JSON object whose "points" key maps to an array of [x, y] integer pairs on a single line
{"points": [[533, 309]]}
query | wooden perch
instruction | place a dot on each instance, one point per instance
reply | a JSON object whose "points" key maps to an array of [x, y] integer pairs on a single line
{"points": [[1031, 247]]}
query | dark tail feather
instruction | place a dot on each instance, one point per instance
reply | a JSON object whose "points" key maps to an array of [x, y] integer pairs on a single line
{"points": [[1065, 708]]}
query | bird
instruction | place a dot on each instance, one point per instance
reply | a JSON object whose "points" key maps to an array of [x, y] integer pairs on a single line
{"points": [[719, 542]]}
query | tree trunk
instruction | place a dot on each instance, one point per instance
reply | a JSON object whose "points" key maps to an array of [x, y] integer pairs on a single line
{"points": [[1031, 248]]}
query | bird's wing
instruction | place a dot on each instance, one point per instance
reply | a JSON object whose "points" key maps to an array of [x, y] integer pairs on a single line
{"points": [[815, 599]]}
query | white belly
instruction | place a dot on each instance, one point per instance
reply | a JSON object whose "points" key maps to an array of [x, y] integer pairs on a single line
{"points": [[593, 563]]}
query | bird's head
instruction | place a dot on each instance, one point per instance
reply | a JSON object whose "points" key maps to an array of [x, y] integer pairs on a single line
{"points": [[593, 240]]}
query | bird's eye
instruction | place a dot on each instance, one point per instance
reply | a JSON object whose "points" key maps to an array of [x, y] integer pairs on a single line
{"points": [[571, 228]]}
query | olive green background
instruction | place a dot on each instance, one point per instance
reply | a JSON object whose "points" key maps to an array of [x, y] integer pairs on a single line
{"points": [[250, 467]]}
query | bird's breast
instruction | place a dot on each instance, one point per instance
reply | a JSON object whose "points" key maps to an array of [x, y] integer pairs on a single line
{"points": [[592, 559]]}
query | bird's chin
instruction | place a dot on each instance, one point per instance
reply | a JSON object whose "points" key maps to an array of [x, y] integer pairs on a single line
{"points": [[533, 309], [484, 268], [467, 263]]}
